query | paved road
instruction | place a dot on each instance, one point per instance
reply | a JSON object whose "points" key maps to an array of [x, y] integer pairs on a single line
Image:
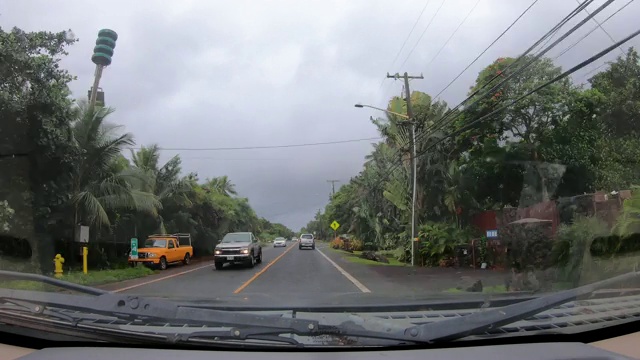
{"points": [[285, 274], [289, 277]]}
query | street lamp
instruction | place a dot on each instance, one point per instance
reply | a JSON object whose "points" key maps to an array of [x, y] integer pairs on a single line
{"points": [[377, 108], [415, 172]]}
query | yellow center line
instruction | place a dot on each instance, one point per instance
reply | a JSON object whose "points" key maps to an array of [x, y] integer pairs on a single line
{"points": [[254, 277]]}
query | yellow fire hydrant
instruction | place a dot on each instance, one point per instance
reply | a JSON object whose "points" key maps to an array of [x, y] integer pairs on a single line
{"points": [[58, 261]]}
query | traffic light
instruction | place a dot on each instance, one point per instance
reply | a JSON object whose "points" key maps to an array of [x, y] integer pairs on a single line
{"points": [[105, 44]]}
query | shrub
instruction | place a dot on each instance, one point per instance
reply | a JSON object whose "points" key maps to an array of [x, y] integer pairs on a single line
{"points": [[337, 243], [438, 242], [402, 253], [356, 245], [573, 243]]}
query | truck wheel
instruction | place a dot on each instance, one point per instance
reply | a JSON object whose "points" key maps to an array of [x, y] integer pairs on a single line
{"points": [[163, 263], [259, 259], [218, 265], [252, 261], [187, 259]]}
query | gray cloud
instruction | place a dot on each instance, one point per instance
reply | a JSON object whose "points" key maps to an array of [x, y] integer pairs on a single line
{"points": [[244, 73]]}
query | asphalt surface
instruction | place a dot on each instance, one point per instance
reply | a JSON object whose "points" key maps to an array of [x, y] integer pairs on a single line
{"points": [[291, 277]]}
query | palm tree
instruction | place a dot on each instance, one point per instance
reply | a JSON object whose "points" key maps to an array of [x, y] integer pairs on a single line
{"points": [[222, 185], [164, 181], [99, 183]]}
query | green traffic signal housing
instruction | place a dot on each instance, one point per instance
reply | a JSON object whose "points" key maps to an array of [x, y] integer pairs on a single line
{"points": [[105, 44]]}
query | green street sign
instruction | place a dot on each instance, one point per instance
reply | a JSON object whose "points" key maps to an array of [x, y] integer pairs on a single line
{"points": [[335, 225], [134, 248]]}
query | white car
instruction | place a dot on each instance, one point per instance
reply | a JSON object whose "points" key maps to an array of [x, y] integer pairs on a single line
{"points": [[280, 242]]}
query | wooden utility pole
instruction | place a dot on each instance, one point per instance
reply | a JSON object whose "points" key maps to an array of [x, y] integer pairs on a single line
{"points": [[333, 186], [414, 174]]}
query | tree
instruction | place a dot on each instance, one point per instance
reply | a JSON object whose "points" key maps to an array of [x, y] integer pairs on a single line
{"points": [[525, 124], [162, 181], [620, 85], [6, 213], [98, 182], [35, 142], [222, 185]]}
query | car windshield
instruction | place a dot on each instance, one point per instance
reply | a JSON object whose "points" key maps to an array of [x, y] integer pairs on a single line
{"points": [[236, 238], [432, 156], [155, 243]]}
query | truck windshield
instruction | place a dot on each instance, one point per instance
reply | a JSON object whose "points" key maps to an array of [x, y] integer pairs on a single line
{"points": [[155, 243], [236, 238]]}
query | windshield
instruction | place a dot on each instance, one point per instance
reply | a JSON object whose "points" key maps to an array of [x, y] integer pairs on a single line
{"points": [[155, 243], [236, 238], [352, 155]]}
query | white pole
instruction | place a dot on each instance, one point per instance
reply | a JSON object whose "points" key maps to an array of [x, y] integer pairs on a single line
{"points": [[413, 201]]}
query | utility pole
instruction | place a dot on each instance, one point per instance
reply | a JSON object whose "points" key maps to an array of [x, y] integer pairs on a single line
{"points": [[333, 186], [414, 171]]}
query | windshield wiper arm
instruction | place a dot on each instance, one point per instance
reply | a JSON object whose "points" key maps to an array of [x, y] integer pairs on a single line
{"points": [[12, 275], [128, 307], [138, 308], [482, 321]]}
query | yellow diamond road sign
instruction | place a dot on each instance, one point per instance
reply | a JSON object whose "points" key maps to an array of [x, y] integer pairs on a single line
{"points": [[335, 225]]}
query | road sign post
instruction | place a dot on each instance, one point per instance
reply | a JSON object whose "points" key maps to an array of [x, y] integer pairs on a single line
{"points": [[335, 225], [134, 248]]}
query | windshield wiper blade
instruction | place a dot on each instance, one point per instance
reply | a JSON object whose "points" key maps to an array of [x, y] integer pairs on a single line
{"points": [[482, 321]]}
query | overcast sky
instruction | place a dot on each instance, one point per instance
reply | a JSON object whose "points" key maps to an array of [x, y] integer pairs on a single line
{"points": [[208, 74]]}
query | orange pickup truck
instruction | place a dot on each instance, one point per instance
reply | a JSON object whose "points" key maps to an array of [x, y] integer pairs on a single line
{"points": [[160, 250]]}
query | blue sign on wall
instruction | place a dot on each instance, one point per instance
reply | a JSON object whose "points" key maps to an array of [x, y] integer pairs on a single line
{"points": [[492, 234]]}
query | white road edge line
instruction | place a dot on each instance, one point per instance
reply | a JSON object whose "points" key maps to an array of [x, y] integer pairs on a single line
{"points": [[355, 281], [160, 279]]}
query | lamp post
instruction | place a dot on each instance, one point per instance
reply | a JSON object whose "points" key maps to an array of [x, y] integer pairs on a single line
{"points": [[414, 168]]}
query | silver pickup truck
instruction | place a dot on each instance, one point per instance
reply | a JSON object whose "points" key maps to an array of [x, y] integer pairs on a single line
{"points": [[238, 248]]}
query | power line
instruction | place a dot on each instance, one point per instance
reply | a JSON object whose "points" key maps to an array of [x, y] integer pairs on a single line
{"points": [[454, 32], [556, 79], [406, 39], [266, 146], [442, 121], [596, 69], [423, 32], [594, 29], [550, 34], [603, 29], [486, 49]]}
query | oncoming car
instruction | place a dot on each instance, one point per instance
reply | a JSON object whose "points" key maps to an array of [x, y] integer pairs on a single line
{"points": [[280, 241]]}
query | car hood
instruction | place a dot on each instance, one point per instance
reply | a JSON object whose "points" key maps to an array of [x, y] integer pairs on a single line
{"points": [[232, 245], [151, 250]]}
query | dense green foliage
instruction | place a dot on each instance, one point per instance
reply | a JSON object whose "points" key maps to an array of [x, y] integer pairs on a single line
{"points": [[63, 164], [562, 141]]}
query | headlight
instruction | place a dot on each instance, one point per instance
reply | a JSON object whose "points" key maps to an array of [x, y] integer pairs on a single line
{"points": [[218, 252], [244, 251], [152, 255]]}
